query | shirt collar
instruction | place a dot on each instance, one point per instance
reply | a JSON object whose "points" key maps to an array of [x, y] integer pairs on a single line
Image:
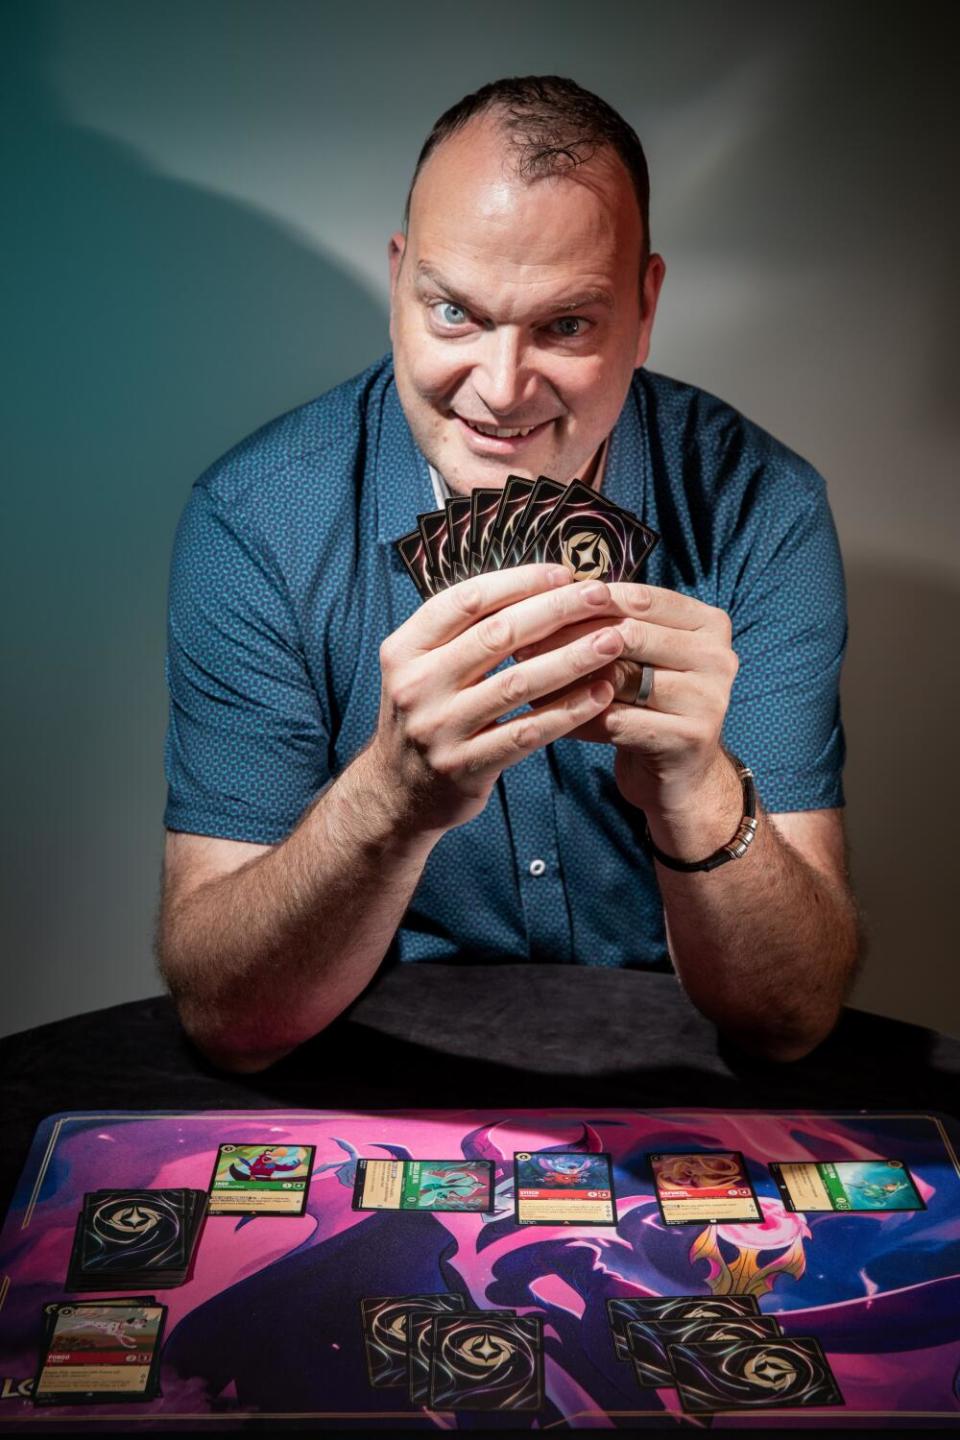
{"points": [[406, 486]]}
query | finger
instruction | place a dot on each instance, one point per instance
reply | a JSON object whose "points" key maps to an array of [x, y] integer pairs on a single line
{"points": [[667, 608], [543, 679], [649, 732], [445, 616], [504, 745], [481, 648], [645, 643]]}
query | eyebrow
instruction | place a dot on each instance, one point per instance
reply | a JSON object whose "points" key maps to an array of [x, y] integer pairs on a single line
{"points": [[593, 295]]}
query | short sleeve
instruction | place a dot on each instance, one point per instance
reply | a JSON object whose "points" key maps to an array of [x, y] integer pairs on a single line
{"points": [[247, 747], [788, 609]]}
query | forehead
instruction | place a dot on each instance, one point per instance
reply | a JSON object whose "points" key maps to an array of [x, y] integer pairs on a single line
{"points": [[470, 208]]}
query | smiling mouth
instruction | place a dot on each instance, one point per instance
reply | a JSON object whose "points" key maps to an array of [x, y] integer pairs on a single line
{"points": [[500, 432]]}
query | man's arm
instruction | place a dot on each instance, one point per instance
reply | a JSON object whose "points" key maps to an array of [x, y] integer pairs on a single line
{"points": [[263, 947], [766, 946]]}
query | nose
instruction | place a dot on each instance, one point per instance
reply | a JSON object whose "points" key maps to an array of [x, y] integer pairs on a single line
{"points": [[502, 378]]}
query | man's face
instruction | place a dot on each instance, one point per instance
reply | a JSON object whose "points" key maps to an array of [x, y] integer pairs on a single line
{"points": [[517, 306]]}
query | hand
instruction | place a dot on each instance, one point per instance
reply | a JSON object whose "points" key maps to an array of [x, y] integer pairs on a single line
{"points": [[668, 750], [439, 743]]}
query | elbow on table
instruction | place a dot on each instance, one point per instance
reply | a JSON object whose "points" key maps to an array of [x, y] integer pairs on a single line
{"points": [[784, 1045]]}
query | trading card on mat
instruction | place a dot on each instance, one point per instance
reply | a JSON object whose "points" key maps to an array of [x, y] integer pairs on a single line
{"points": [[99, 1353], [563, 1188], [513, 499], [458, 524], [386, 1331], [753, 1375], [647, 1341], [542, 498], [479, 1363], [123, 1233], [424, 1185], [261, 1179], [845, 1185], [485, 504], [704, 1186], [621, 1309], [413, 553], [594, 538], [436, 537], [420, 1350]]}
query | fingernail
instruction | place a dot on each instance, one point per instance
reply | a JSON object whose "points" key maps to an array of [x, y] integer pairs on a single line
{"points": [[558, 575], [606, 643], [595, 594], [600, 691]]}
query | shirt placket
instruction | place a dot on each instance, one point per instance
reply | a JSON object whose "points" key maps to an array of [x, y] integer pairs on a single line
{"points": [[528, 799]]}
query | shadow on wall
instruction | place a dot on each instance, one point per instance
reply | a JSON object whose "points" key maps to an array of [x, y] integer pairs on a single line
{"points": [[900, 699], [152, 326]]}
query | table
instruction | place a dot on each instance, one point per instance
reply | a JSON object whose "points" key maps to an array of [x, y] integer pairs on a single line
{"points": [[464, 1036], [485, 1038]]}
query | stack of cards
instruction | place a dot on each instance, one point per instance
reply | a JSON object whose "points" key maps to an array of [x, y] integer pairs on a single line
{"points": [[127, 1239], [452, 1358], [525, 523], [720, 1353], [99, 1351]]}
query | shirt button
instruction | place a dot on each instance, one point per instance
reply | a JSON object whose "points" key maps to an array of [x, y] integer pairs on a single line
{"points": [[538, 867]]}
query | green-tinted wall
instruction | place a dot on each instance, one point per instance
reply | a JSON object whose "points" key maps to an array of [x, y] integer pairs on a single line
{"points": [[197, 196]]}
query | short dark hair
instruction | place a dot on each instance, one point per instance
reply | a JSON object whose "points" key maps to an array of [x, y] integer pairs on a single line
{"points": [[555, 125]]}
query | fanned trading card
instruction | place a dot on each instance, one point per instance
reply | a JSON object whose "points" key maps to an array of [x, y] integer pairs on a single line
{"points": [[590, 535], [436, 538], [563, 1188], [753, 1375], [420, 1350], [386, 1331], [97, 1353], [261, 1179], [846, 1185], [648, 1341], [480, 1363], [513, 499], [424, 1185], [485, 504], [622, 1309], [413, 553], [540, 503], [459, 515], [696, 1187]]}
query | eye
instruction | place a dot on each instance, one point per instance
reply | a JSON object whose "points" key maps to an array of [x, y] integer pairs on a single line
{"points": [[569, 326], [449, 314]]}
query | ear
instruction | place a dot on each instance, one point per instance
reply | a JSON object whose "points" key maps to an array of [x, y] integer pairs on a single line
{"points": [[649, 295], [395, 248]]}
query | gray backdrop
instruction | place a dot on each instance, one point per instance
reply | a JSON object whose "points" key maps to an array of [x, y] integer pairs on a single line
{"points": [[198, 197]]}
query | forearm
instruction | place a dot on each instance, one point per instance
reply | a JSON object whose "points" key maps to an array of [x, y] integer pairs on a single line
{"points": [[765, 946], [266, 956]]}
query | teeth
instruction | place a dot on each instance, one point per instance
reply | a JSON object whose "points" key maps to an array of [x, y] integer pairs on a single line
{"points": [[500, 434]]}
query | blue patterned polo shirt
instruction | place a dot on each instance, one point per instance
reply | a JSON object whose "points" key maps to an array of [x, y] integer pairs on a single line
{"points": [[285, 581]]}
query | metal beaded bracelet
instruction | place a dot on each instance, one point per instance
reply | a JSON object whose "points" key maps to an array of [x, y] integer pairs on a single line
{"points": [[734, 849]]}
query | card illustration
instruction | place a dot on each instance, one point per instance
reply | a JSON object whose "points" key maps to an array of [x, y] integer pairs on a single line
{"points": [[846, 1185], [424, 1185], [563, 1188], [694, 1187], [261, 1179], [484, 1363]]}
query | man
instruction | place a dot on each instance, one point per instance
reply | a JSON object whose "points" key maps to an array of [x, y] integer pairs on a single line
{"points": [[313, 830]]}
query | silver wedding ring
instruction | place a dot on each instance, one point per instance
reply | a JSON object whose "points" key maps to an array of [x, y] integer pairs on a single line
{"points": [[645, 688]]}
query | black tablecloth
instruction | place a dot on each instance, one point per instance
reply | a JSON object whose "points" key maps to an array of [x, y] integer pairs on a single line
{"points": [[477, 1036]]}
